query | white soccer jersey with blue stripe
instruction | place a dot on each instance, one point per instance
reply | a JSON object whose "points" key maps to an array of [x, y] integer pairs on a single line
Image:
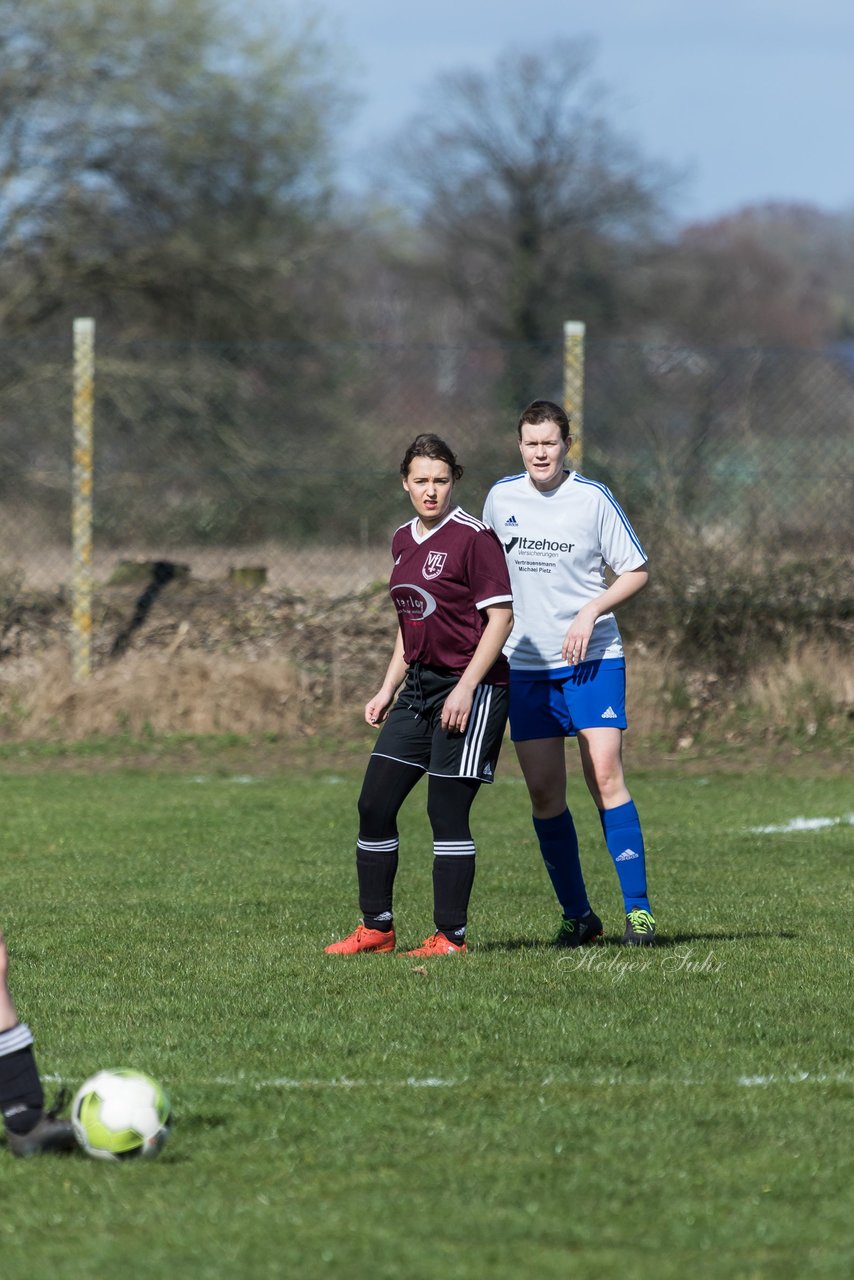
{"points": [[557, 546]]}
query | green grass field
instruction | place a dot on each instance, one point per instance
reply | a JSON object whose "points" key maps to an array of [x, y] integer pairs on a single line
{"points": [[678, 1112]]}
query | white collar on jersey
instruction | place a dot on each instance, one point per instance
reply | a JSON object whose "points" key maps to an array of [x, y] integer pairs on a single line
{"points": [[428, 533], [549, 493]]}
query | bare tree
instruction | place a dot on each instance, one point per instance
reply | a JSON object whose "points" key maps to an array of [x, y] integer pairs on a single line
{"points": [[774, 274], [157, 164], [532, 205], [170, 172]]}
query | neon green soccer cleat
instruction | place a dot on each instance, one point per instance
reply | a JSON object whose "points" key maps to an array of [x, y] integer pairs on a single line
{"points": [[577, 931], [640, 928]]}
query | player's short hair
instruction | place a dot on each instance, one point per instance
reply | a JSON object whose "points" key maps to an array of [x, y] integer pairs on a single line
{"points": [[540, 411], [429, 446]]}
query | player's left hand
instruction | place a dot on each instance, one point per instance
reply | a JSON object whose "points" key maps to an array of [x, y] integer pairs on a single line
{"points": [[577, 638], [456, 710]]}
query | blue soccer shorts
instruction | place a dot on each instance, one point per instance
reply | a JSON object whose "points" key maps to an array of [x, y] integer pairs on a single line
{"points": [[556, 704]]}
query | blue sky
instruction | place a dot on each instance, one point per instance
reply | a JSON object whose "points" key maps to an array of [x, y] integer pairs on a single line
{"points": [[754, 97]]}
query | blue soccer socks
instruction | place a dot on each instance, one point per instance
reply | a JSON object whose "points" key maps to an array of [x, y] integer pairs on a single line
{"points": [[559, 847], [624, 838], [622, 830]]}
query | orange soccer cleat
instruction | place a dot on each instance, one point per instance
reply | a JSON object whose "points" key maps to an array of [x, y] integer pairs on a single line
{"points": [[438, 945], [362, 939]]}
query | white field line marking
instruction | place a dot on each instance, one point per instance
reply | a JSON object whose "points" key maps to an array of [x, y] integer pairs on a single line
{"points": [[803, 824], [244, 779], [438, 1082]]}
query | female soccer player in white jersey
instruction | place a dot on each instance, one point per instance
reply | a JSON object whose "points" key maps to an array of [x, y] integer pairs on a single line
{"points": [[567, 671], [451, 589]]}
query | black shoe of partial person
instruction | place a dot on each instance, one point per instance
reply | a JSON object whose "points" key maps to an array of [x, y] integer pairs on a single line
{"points": [[48, 1134]]}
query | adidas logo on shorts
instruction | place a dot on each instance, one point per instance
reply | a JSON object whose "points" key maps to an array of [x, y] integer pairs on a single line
{"points": [[609, 714]]}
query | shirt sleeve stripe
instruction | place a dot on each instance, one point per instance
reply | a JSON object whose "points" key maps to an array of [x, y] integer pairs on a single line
{"points": [[463, 517], [615, 504]]}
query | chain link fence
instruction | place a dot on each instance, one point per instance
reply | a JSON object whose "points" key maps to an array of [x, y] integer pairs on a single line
{"points": [[282, 458]]}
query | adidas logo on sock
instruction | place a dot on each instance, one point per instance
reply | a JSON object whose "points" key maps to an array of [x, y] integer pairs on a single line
{"points": [[626, 855], [511, 522], [609, 714]]}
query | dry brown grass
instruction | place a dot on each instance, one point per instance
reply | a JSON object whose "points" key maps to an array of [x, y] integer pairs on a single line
{"points": [[158, 693], [172, 690], [804, 688], [806, 692], [211, 657]]}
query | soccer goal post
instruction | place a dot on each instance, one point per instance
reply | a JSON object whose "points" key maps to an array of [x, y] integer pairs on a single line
{"points": [[81, 502], [573, 386]]}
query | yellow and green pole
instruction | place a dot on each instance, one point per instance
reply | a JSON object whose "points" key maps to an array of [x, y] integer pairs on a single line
{"points": [[81, 506], [573, 387]]}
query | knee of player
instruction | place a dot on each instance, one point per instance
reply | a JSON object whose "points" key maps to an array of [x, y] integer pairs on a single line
{"points": [[607, 785], [547, 798]]}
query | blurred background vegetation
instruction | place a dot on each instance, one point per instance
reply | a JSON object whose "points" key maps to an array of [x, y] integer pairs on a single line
{"points": [[268, 342]]}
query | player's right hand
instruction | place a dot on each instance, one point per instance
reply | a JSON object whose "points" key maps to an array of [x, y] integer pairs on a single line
{"points": [[376, 709]]}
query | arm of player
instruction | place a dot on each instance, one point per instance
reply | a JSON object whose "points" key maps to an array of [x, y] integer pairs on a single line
{"points": [[580, 629], [457, 705], [377, 707]]}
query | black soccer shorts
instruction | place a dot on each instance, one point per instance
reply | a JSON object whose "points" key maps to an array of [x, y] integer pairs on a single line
{"points": [[413, 733]]}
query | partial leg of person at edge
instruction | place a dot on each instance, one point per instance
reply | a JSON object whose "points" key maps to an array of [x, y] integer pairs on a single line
{"points": [[30, 1128]]}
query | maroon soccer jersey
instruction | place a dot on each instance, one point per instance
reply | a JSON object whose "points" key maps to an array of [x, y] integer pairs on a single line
{"points": [[439, 584]]}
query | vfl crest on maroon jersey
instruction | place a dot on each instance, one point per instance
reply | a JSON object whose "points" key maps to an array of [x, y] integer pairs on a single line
{"points": [[434, 564]]}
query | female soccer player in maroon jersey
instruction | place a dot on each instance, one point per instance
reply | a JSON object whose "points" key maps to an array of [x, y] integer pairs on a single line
{"points": [[451, 589]]}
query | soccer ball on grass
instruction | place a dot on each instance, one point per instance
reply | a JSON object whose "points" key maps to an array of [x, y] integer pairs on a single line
{"points": [[121, 1114]]}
